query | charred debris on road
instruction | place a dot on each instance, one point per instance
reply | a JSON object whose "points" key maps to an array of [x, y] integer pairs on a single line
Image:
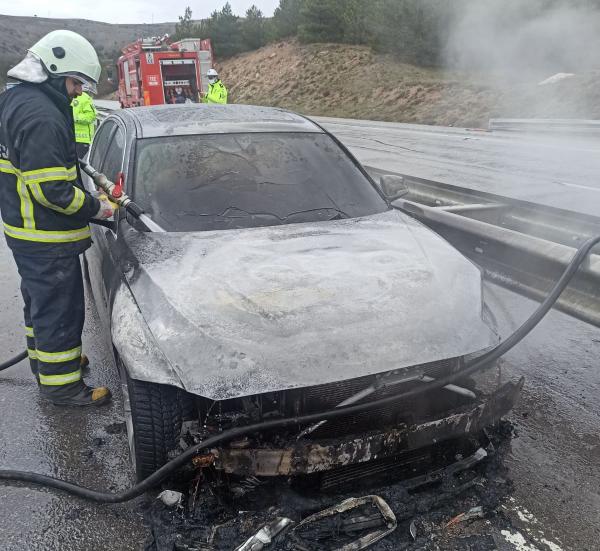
{"points": [[450, 498], [259, 492]]}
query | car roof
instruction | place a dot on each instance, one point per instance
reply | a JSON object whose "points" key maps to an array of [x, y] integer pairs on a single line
{"points": [[186, 119]]}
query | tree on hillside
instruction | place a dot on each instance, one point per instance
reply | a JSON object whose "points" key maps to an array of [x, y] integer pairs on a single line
{"points": [[223, 28], [429, 30], [410, 29], [185, 28], [356, 21], [321, 21], [286, 18], [253, 29]]}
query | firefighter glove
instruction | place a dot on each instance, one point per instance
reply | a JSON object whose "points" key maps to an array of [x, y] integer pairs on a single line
{"points": [[107, 208]]}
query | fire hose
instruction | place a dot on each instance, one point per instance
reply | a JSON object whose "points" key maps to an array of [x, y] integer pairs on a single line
{"points": [[13, 361], [476, 364]]}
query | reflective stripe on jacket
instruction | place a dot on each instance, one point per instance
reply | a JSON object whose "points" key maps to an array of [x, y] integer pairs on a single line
{"points": [[84, 115], [44, 208], [217, 93]]}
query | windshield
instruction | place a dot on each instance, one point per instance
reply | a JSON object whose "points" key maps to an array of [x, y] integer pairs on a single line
{"points": [[229, 181]]}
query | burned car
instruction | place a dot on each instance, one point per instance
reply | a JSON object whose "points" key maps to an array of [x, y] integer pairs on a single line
{"points": [[277, 280]]}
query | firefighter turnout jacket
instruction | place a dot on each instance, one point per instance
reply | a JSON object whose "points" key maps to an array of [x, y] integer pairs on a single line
{"points": [[44, 208], [84, 114], [217, 93]]}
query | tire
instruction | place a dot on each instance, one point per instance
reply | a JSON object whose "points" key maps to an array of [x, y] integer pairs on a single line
{"points": [[153, 421]]}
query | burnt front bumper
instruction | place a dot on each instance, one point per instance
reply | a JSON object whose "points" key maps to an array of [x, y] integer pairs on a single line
{"points": [[306, 457]]}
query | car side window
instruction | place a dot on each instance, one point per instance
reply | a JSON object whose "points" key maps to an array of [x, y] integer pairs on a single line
{"points": [[100, 143], [113, 162]]}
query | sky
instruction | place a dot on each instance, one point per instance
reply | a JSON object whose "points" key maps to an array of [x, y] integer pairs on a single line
{"points": [[129, 11]]}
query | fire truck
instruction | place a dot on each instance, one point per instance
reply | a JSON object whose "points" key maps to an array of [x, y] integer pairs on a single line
{"points": [[153, 71]]}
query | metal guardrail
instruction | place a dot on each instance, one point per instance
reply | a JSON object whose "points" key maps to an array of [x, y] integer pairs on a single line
{"points": [[547, 126], [519, 245]]}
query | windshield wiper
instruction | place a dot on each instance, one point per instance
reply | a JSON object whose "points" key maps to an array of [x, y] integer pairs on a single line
{"points": [[229, 212], [236, 212], [339, 213]]}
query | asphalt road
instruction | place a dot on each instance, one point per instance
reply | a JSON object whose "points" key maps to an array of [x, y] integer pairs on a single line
{"points": [[555, 459], [553, 170], [85, 446]]}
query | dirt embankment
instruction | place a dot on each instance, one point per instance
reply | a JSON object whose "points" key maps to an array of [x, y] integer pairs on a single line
{"points": [[352, 81]]}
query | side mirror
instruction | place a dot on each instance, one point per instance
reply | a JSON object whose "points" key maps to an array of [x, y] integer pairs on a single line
{"points": [[393, 186]]}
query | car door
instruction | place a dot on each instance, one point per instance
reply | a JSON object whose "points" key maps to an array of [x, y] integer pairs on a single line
{"points": [[107, 156]]}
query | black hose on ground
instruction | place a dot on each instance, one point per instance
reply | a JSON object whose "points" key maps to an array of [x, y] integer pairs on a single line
{"points": [[476, 364], [13, 361]]}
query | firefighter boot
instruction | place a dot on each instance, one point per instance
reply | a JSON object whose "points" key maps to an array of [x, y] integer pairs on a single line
{"points": [[76, 394]]}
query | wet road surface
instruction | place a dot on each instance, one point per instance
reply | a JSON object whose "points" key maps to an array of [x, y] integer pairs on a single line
{"points": [[85, 446], [553, 170], [553, 464], [555, 459]]}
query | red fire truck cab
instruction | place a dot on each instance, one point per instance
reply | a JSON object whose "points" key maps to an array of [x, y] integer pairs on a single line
{"points": [[153, 72]]}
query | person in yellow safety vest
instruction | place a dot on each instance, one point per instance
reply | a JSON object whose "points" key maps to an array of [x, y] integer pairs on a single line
{"points": [[217, 93], [84, 115]]}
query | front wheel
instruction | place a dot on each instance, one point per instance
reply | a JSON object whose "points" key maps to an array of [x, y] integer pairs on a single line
{"points": [[153, 415]]}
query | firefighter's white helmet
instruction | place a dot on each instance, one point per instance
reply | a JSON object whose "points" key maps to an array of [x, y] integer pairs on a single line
{"points": [[68, 54]]}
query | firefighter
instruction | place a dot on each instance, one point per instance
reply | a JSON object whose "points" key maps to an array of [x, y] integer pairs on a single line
{"points": [[179, 96], [217, 93], [45, 210], [84, 115]]}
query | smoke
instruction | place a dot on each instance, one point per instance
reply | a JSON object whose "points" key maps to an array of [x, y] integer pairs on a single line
{"points": [[525, 39]]}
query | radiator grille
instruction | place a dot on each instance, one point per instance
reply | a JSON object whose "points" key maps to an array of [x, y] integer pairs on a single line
{"points": [[328, 396]]}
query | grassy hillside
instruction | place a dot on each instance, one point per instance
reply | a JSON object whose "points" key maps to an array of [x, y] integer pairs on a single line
{"points": [[352, 81], [19, 33]]}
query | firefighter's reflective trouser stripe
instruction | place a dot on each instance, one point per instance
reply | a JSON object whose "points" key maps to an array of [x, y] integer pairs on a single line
{"points": [[54, 311], [31, 352]]}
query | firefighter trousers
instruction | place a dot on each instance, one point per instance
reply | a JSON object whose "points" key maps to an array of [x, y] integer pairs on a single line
{"points": [[52, 290]]}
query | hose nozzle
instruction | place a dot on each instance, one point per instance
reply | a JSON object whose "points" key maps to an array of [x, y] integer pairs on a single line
{"points": [[112, 190]]}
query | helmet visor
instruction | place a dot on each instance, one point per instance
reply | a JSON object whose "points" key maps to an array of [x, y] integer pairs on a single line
{"points": [[87, 83]]}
